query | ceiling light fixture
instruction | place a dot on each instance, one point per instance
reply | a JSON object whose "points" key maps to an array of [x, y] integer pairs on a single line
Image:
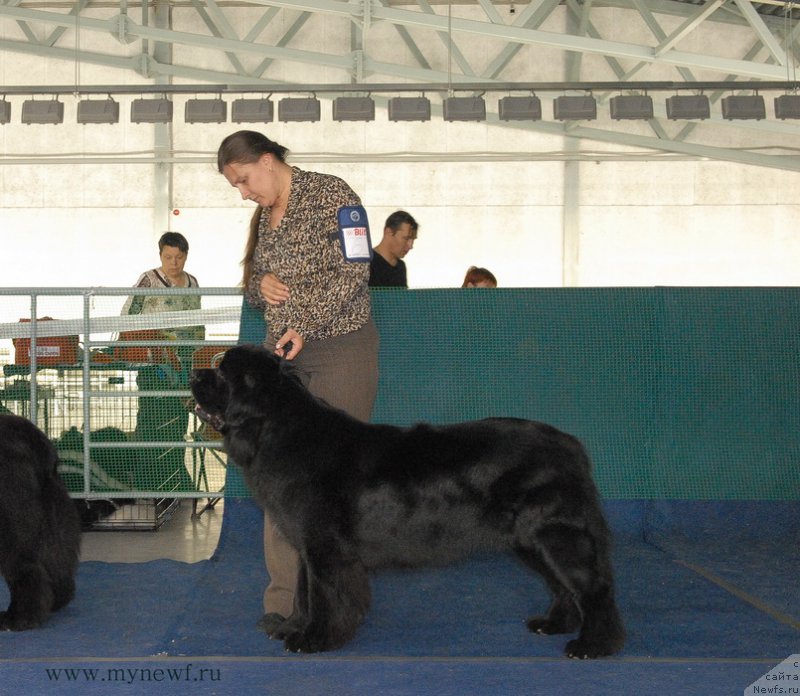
{"points": [[688, 106], [98, 111], [51, 111], [631, 107], [743, 106], [787, 106], [298, 109], [206, 111], [353, 109], [409, 109], [252, 111], [520, 108], [464, 109], [572, 108], [151, 111]]}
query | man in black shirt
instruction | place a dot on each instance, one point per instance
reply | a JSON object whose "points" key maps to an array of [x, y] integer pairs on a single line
{"points": [[387, 268]]}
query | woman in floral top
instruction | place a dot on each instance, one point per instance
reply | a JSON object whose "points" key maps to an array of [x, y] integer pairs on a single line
{"points": [[316, 303], [173, 250], [165, 418]]}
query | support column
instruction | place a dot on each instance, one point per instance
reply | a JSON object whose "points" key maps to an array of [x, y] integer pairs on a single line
{"points": [[163, 202], [571, 228]]}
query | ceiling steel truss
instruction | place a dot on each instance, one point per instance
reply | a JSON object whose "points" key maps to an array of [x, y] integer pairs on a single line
{"points": [[254, 39]]}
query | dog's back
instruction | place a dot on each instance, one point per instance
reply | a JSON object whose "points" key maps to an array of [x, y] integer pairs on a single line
{"points": [[432, 494]]}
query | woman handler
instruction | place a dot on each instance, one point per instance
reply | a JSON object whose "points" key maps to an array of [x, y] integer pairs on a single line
{"points": [[313, 289]]}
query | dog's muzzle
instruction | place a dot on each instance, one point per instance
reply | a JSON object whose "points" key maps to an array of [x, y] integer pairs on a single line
{"points": [[215, 421]]}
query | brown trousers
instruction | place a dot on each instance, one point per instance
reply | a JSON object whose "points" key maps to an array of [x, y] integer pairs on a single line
{"points": [[344, 372]]}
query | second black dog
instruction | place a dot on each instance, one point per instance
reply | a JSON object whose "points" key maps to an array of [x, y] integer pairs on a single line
{"points": [[39, 527], [352, 496]]}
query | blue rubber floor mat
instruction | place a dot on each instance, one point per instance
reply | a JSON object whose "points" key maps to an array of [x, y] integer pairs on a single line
{"points": [[472, 609]]}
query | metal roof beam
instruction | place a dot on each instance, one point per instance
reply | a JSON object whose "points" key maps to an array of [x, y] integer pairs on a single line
{"points": [[688, 27], [446, 38], [531, 17], [218, 24], [764, 34], [122, 25]]}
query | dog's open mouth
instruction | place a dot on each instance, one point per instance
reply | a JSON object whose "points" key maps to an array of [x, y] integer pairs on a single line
{"points": [[214, 420]]}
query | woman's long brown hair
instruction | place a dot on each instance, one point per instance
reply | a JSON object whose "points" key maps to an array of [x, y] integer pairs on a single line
{"points": [[250, 247]]}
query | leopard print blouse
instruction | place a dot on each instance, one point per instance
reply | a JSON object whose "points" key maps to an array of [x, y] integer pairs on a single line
{"points": [[328, 295]]}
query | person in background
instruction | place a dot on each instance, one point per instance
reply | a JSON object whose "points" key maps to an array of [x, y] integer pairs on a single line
{"points": [[315, 301], [387, 268], [173, 250], [479, 278], [165, 418]]}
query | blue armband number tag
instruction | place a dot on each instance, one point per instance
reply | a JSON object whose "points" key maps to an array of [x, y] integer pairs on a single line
{"points": [[354, 233]]}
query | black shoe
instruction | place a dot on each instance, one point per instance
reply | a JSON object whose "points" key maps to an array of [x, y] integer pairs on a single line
{"points": [[269, 622]]}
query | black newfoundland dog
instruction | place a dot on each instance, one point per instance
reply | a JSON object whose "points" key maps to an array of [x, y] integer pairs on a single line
{"points": [[352, 496], [40, 529]]}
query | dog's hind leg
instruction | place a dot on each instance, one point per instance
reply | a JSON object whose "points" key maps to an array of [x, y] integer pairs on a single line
{"points": [[578, 570], [563, 616], [31, 597]]}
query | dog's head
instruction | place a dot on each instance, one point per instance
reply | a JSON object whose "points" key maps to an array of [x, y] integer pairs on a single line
{"points": [[247, 384]]}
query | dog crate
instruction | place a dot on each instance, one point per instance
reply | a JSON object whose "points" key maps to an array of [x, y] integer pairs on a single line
{"points": [[136, 443], [110, 389]]}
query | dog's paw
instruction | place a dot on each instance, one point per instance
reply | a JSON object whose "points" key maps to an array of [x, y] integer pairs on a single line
{"points": [[305, 642], [270, 623], [548, 627], [15, 623], [588, 650]]}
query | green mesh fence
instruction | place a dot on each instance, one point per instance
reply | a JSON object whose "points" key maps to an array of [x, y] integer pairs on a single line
{"points": [[110, 386], [676, 392]]}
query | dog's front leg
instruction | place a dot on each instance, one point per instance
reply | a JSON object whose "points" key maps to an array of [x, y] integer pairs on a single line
{"points": [[298, 621], [337, 596]]}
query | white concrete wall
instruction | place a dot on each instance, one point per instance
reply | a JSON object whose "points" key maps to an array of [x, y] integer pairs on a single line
{"points": [[641, 223]]}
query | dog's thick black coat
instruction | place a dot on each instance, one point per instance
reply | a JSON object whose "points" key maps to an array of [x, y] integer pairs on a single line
{"points": [[352, 496], [40, 530]]}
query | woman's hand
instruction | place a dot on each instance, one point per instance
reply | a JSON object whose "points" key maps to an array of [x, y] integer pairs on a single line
{"points": [[273, 290], [295, 339]]}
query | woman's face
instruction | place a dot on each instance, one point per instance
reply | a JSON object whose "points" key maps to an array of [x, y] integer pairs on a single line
{"points": [[172, 261], [255, 181]]}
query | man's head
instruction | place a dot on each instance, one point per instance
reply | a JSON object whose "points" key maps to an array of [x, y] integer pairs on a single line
{"points": [[399, 234]]}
